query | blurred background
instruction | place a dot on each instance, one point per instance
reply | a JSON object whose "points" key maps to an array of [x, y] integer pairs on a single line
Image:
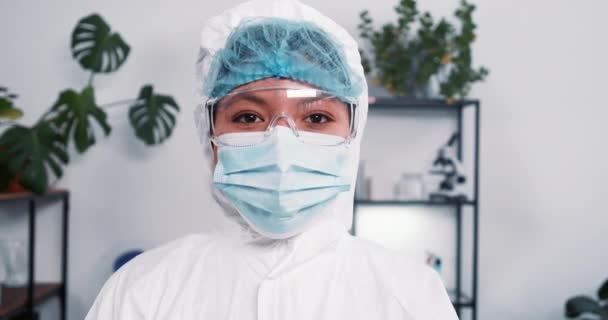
{"points": [[541, 199]]}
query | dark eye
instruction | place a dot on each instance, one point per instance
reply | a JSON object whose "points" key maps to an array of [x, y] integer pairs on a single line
{"points": [[317, 118], [247, 118]]}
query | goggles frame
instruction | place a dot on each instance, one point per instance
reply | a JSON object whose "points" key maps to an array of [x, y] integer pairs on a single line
{"points": [[350, 102]]}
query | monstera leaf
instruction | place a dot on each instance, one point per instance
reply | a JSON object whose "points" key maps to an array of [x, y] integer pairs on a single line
{"points": [[95, 47], [73, 114], [602, 292], [7, 109], [153, 116], [583, 305], [29, 152]]}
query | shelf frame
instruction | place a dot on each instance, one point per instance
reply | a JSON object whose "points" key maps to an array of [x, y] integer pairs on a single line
{"points": [[15, 300], [389, 202], [458, 106], [33, 289]]}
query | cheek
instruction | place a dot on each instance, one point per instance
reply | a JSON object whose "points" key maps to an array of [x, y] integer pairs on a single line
{"points": [[345, 123], [345, 131], [344, 127]]}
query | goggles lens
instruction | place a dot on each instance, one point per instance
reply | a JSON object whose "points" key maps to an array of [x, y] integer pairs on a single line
{"points": [[309, 112]]}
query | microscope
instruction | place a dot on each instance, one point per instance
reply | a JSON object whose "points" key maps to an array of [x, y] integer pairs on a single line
{"points": [[452, 186]]}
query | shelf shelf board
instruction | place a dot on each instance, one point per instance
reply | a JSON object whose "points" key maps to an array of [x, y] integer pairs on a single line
{"points": [[412, 103], [24, 196], [414, 202], [14, 300], [464, 301]]}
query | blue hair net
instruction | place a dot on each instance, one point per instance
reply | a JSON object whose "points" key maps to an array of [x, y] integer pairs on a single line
{"points": [[273, 47]]}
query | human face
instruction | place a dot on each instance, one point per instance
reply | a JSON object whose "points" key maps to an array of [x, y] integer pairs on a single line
{"points": [[255, 110]]}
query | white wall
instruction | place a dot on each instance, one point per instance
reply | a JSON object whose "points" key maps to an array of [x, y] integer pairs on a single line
{"points": [[543, 154]]}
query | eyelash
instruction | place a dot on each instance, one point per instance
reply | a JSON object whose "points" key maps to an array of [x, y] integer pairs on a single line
{"points": [[326, 118], [239, 118]]}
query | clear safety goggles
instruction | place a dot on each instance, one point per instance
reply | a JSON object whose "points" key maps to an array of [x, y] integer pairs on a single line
{"points": [[309, 112]]}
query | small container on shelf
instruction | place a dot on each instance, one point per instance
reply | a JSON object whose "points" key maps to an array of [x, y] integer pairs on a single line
{"points": [[409, 187], [433, 261], [13, 255]]}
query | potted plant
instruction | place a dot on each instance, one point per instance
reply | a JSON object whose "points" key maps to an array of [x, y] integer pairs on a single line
{"points": [[8, 114], [585, 307], [408, 59], [28, 153]]}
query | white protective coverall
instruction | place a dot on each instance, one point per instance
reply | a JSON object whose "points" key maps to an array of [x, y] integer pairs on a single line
{"points": [[235, 273]]}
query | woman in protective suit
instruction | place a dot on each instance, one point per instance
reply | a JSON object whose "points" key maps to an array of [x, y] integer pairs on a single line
{"points": [[282, 110]]}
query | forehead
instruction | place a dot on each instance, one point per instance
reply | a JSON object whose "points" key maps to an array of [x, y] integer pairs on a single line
{"points": [[267, 93], [272, 82]]}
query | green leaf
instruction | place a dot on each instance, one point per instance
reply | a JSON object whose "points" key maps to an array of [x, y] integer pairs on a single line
{"points": [[580, 305], [153, 116], [5, 177], [8, 111], [407, 12], [30, 152], [95, 47], [74, 113], [405, 55], [365, 62], [602, 292]]}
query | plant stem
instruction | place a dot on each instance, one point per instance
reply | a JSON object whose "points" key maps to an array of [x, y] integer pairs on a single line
{"points": [[117, 103]]}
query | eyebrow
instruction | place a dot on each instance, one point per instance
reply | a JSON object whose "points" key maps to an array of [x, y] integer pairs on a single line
{"points": [[305, 102], [251, 97], [308, 100]]}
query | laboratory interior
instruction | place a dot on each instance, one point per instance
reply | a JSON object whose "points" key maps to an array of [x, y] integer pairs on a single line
{"points": [[462, 179]]}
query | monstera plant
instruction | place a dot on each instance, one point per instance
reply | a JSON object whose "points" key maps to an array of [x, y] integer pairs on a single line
{"points": [[29, 153]]}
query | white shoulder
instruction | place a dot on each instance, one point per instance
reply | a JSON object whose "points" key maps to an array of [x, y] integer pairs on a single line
{"points": [[166, 256], [417, 286], [126, 294]]}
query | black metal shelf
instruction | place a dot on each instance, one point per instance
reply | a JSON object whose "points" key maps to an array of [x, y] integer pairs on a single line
{"points": [[26, 196], [15, 300], [415, 202], [411, 103], [461, 300], [414, 107], [22, 301]]}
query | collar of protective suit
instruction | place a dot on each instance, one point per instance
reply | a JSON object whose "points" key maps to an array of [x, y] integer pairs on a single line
{"points": [[271, 258]]}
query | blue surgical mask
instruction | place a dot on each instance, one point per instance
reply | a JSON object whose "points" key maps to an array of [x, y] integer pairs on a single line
{"points": [[283, 184]]}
